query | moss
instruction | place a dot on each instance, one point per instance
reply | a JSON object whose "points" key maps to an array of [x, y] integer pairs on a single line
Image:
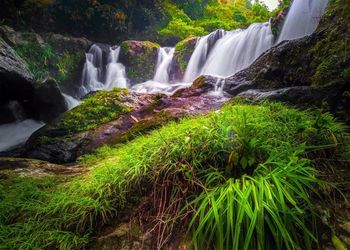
{"points": [[102, 107], [140, 59], [183, 52]]}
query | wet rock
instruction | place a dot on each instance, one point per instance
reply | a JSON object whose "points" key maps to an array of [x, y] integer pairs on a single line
{"points": [[140, 59], [14, 38]]}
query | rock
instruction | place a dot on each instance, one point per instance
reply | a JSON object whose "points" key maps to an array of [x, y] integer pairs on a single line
{"points": [[15, 38], [35, 168], [140, 59], [48, 101], [63, 44], [299, 95], [58, 144], [16, 82], [182, 55]]}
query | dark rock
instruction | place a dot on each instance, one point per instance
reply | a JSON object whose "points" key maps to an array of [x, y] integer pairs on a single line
{"points": [[16, 82], [48, 102], [299, 95], [64, 44]]}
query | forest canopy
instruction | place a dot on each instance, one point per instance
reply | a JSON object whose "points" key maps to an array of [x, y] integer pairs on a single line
{"points": [[164, 21]]}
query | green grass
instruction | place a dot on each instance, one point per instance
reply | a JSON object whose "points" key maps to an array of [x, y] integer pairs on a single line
{"points": [[43, 61], [64, 215]]}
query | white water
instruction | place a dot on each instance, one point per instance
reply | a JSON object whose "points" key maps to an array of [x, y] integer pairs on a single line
{"points": [[238, 49], [200, 55], [17, 133], [71, 101], [165, 58], [95, 77], [302, 19], [116, 75]]}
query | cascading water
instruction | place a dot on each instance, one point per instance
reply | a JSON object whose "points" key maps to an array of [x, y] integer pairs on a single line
{"points": [[165, 58], [116, 75], [98, 77], [238, 49], [302, 19], [161, 80], [200, 54], [219, 54]]}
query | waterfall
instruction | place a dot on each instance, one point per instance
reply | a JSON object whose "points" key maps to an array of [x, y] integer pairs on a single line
{"points": [[70, 101], [302, 19], [116, 75], [238, 49], [165, 58], [96, 76], [200, 54]]}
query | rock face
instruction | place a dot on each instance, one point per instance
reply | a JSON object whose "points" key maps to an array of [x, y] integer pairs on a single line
{"points": [[16, 82], [139, 58]]}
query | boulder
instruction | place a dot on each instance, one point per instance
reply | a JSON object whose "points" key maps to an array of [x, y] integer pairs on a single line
{"points": [[16, 82], [63, 44], [48, 102], [140, 59]]}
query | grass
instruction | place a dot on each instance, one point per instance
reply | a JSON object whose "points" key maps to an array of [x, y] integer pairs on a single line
{"points": [[64, 215], [43, 61]]}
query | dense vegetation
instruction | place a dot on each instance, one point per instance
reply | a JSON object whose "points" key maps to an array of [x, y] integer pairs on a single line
{"points": [[245, 166], [152, 20]]}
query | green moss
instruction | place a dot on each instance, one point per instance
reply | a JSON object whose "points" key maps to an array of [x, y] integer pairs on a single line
{"points": [[102, 107], [140, 65], [183, 52]]}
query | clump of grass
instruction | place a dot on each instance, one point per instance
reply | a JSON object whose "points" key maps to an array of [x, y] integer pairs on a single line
{"points": [[65, 215], [269, 210]]}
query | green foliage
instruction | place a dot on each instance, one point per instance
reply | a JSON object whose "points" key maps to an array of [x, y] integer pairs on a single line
{"points": [[102, 107], [64, 215], [38, 58], [213, 15], [269, 210], [43, 62]]}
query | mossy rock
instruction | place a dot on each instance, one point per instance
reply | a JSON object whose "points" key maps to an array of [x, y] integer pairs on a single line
{"points": [[183, 52], [100, 108], [140, 59]]}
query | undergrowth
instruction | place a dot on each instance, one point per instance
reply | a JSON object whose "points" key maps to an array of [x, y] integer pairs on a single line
{"points": [[248, 182]]}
